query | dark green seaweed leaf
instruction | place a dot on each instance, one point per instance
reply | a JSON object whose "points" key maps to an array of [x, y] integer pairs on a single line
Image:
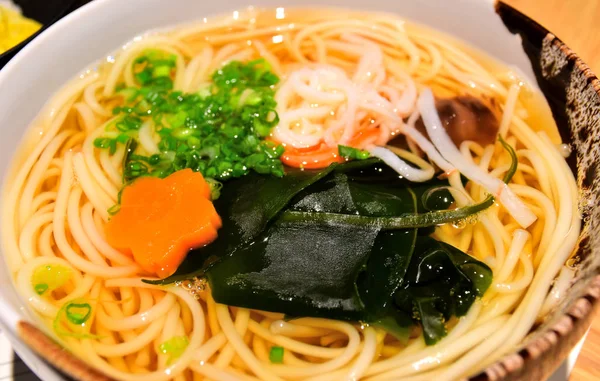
{"points": [[330, 268], [441, 282], [367, 188], [290, 269], [404, 221], [432, 320], [352, 153], [321, 268], [338, 260]]}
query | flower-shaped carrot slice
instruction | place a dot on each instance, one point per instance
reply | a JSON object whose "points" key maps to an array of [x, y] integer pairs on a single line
{"points": [[160, 220]]}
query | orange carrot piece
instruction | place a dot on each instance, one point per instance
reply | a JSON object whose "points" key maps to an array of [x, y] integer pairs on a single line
{"points": [[318, 158], [160, 220]]}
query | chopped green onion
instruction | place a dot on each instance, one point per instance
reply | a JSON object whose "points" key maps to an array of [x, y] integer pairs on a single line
{"points": [[178, 119], [218, 131], [170, 62], [193, 142], [128, 123], [182, 133], [111, 144], [102, 142], [132, 168], [40, 288], [71, 318], [174, 347], [144, 77], [135, 169], [78, 313], [140, 60], [153, 70], [251, 98], [276, 355], [161, 71], [122, 138], [50, 277], [129, 93], [352, 153]]}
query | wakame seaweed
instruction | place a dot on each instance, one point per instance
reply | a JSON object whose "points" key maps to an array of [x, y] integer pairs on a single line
{"points": [[441, 281], [353, 272], [321, 269], [332, 268]]}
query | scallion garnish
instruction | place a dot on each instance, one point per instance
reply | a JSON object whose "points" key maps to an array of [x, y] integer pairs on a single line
{"points": [[349, 153], [40, 288], [78, 313], [71, 320], [276, 355], [128, 123], [219, 131], [49, 277], [174, 347]]}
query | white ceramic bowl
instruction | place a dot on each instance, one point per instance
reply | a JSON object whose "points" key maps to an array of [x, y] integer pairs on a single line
{"points": [[100, 27]]}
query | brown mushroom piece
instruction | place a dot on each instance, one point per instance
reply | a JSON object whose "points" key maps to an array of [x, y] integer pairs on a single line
{"points": [[466, 118]]}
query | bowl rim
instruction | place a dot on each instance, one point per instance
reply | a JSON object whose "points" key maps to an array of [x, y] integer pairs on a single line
{"points": [[510, 366]]}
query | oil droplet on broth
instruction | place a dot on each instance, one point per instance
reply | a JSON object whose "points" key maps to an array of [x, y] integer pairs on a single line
{"points": [[572, 262], [564, 150], [460, 224], [472, 219]]}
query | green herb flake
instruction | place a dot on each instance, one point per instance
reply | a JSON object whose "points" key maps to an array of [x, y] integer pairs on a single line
{"points": [[174, 347], [71, 319], [78, 313], [276, 355], [219, 131], [50, 277], [40, 288], [350, 153]]}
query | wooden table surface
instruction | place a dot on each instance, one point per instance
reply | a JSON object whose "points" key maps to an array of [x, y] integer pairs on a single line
{"points": [[577, 23]]}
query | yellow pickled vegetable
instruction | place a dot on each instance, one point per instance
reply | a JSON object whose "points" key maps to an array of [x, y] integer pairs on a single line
{"points": [[14, 28]]}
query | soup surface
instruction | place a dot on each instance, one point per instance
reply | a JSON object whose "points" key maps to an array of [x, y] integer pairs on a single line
{"points": [[292, 194]]}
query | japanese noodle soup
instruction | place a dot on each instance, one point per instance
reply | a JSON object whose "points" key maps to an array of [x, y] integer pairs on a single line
{"points": [[292, 195]]}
